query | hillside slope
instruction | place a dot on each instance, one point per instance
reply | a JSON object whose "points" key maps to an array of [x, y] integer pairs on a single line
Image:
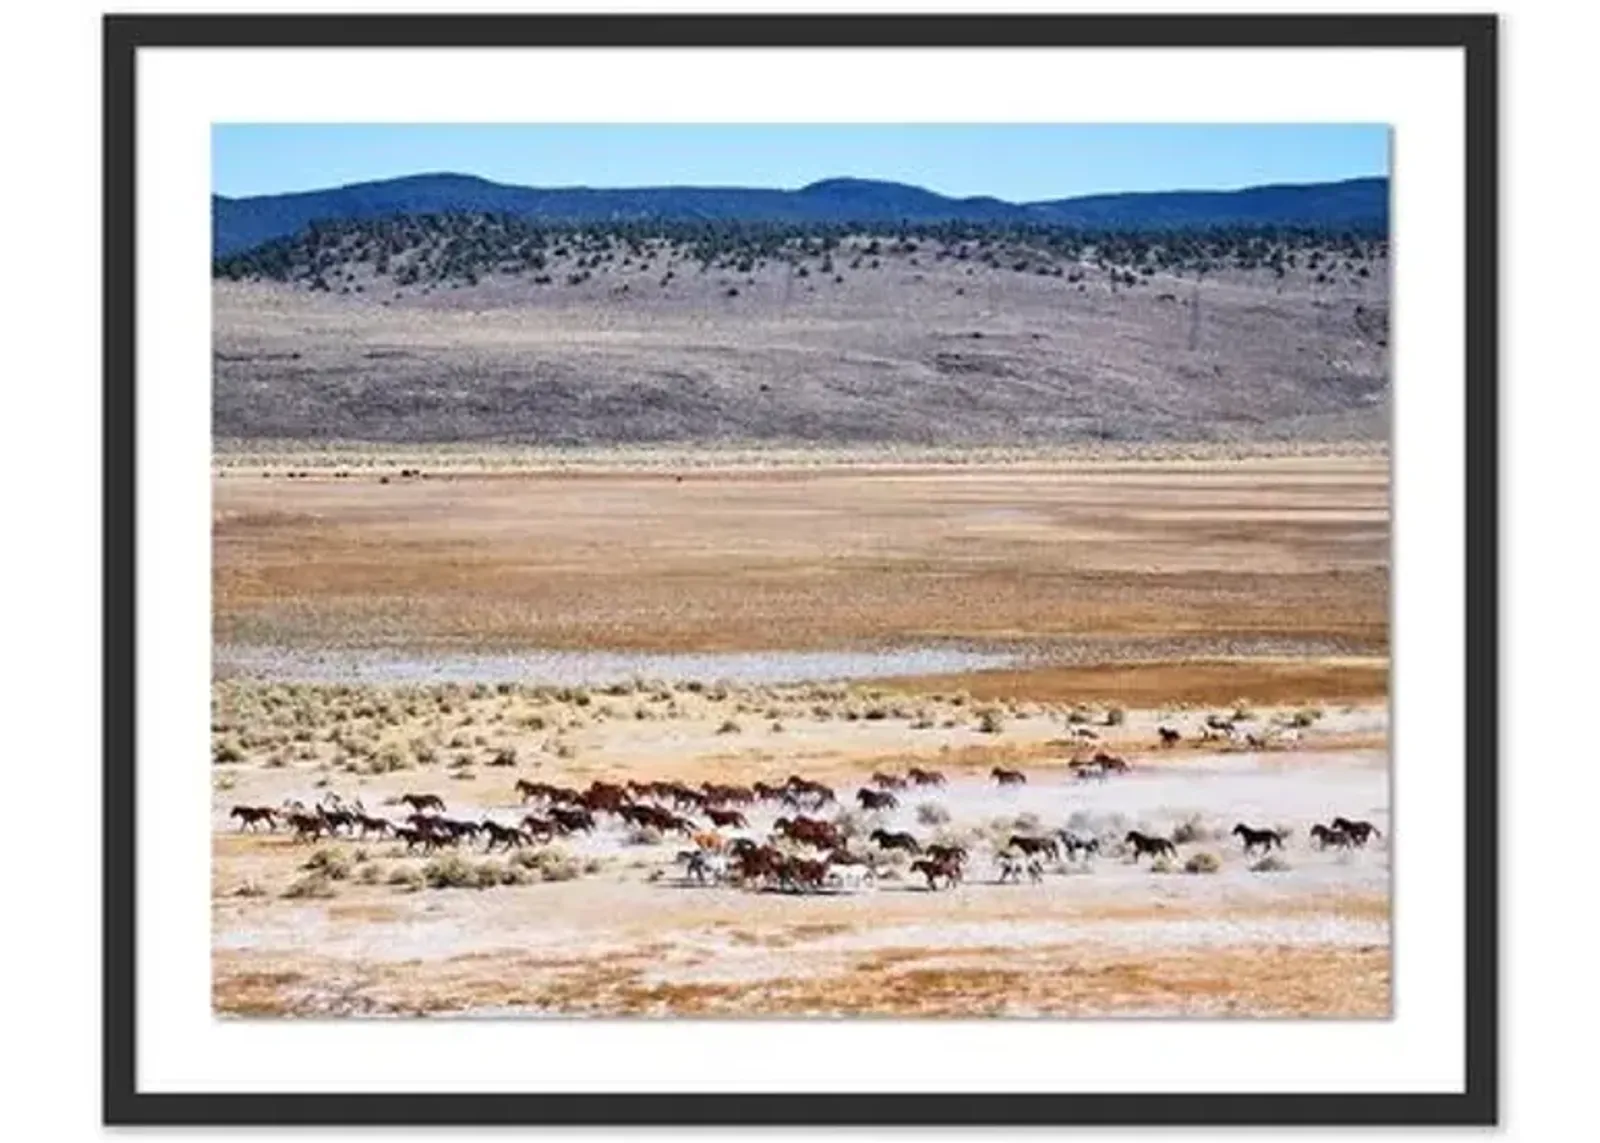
{"points": [[865, 341]]}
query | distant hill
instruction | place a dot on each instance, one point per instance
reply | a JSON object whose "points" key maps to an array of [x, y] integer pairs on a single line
{"points": [[1355, 204]]}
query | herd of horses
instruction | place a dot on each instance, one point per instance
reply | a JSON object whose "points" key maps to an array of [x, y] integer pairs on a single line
{"points": [[801, 853]]}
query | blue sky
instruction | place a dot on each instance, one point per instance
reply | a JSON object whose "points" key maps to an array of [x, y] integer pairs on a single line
{"points": [[1019, 162]]}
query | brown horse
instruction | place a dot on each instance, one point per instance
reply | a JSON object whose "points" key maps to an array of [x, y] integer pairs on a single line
{"points": [[922, 777], [802, 874], [1169, 736], [1007, 777], [822, 835], [727, 819], [249, 815], [538, 829], [379, 826], [934, 871], [307, 827], [949, 853], [887, 781], [427, 839], [1143, 843], [727, 795], [420, 802], [1110, 763], [755, 863]]}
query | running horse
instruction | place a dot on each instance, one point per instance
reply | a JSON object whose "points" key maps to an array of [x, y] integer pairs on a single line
{"points": [[1358, 831], [1144, 843], [249, 815], [1266, 839]]}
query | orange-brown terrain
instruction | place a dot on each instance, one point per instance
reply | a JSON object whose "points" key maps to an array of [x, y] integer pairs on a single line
{"points": [[731, 622]]}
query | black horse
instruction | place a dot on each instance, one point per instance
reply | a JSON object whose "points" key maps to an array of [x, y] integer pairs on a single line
{"points": [[1360, 832], [1073, 844], [1264, 838], [1143, 843], [887, 840], [1325, 837], [249, 815], [1035, 846]]}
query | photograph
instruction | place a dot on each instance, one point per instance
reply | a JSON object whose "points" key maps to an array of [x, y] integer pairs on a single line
{"points": [[801, 570]]}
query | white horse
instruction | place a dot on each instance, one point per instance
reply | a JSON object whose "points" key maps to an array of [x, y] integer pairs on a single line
{"points": [[852, 878], [1012, 868], [704, 866]]}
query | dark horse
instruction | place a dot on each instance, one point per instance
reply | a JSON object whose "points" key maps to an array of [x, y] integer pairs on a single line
{"points": [[1359, 832], [1143, 843], [1008, 777], [420, 802], [1169, 735], [951, 854], [1324, 837], [1033, 846], [933, 870], [925, 777], [873, 800], [1265, 838], [1072, 843], [498, 834], [887, 840], [249, 815], [569, 821], [379, 826]]}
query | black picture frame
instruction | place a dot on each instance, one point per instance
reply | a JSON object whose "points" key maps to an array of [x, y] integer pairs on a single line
{"points": [[123, 1103]]}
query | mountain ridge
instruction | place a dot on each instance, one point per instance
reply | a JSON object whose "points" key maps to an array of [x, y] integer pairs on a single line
{"points": [[240, 223]]}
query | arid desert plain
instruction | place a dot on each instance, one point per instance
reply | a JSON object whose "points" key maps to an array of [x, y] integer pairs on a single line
{"points": [[1015, 655]]}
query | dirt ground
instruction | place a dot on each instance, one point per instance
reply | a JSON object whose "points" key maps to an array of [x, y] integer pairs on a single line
{"points": [[1097, 562], [472, 628]]}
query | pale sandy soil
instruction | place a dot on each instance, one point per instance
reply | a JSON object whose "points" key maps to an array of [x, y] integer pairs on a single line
{"points": [[629, 936]]}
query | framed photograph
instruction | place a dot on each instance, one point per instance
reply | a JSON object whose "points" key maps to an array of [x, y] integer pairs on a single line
{"points": [[800, 570]]}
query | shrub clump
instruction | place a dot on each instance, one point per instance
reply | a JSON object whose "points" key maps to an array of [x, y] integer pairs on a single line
{"points": [[316, 885], [1192, 829], [329, 862], [990, 722], [450, 872], [227, 751], [1271, 863], [932, 814], [408, 879], [729, 727], [1203, 862], [549, 864]]}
